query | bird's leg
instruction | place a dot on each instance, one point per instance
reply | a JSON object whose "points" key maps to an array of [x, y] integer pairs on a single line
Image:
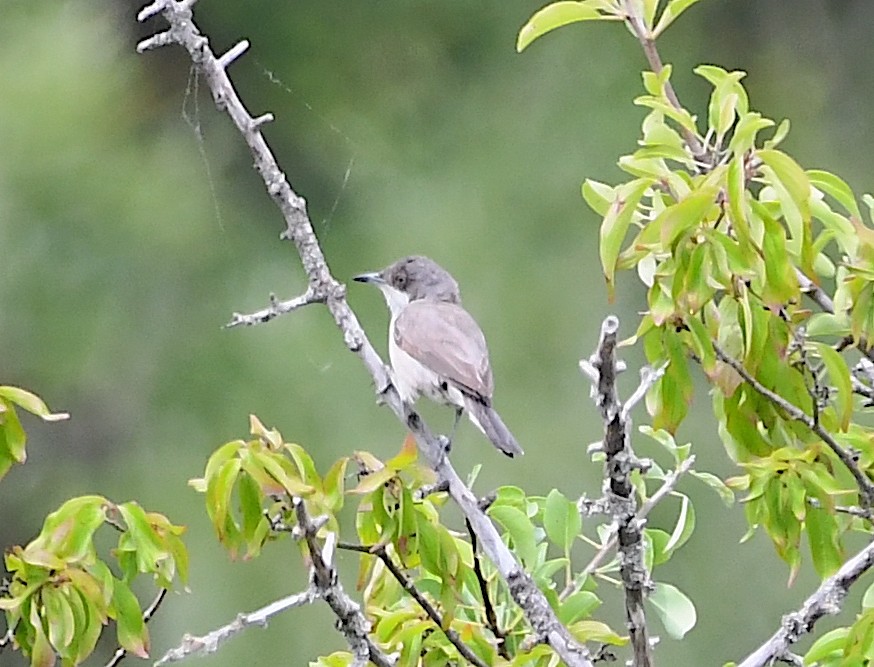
{"points": [[385, 387], [448, 439]]}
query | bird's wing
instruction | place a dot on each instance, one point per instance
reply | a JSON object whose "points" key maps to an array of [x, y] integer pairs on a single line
{"points": [[446, 339]]}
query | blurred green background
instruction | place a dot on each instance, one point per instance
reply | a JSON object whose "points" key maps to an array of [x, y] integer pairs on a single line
{"points": [[132, 226]]}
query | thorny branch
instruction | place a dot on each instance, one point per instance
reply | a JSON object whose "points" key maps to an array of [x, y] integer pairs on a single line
{"points": [[210, 643], [602, 369], [324, 287]]}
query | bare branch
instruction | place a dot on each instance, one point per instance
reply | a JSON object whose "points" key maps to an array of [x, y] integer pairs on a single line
{"points": [[209, 643], [827, 600], [866, 486], [275, 309], [619, 491], [233, 53], [299, 230], [380, 551]]}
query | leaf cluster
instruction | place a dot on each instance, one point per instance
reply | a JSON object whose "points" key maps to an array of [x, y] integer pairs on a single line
{"points": [[62, 592]]}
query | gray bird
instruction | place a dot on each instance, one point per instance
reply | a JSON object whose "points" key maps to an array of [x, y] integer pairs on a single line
{"points": [[436, 348]]}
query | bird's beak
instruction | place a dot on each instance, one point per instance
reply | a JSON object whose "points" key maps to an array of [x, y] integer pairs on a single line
{"points": [[374, 278]]}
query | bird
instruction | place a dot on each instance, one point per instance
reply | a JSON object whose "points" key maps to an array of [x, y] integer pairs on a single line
{"points": [[437, 349]]}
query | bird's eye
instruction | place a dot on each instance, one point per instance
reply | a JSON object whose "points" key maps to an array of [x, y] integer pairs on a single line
{"points": [[401, 280]]}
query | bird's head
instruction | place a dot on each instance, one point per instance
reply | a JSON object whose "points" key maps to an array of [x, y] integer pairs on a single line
{"points": [[411, 279]]}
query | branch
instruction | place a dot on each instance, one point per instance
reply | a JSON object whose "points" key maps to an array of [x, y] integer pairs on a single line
{"points": [[323, 576], [667, 486], [827, 599], [866, 486], [407, 584], [491, 617], [602, 369], [275, 309], [299, 230], [637, 26], [209, 643]]}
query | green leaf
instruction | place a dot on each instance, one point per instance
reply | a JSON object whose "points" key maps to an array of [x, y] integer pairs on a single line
{"points": [[554, 16], [716, 484], [219, 491], [781, 283], [615, 224], [596, 631], [827, 324], [674, 609], [666, 440], [868, 598], [748, 127], [132, 632], [684, 527], [598, 196], [59, 617], [151, 555], [830, 645], [334, 482], [561, 519], [373, 481], [680, 116], [837, 188], [520, 530], [671, 13], [577, 606], [791, 175], [688, 213], [822, 536], [41, 654], [31, 402], [840, 377]]}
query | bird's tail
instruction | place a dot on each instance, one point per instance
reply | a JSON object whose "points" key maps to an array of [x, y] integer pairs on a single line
{"points": [[490, 423]]}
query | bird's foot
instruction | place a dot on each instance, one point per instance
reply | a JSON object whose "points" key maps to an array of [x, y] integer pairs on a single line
{"points": [[445, 443], [383, 388]]}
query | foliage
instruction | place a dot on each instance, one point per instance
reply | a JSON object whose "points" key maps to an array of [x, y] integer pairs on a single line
{"points": [[12, 435], [729, 233], [62, 592], [249, 486]]}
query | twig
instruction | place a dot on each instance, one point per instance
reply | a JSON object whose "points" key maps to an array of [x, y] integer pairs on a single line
{"points": [[667, 486], [491, 617], [209, 643], [827, 600], [275, 309], [852, 510], [638, 28], [299, 230], [866, 486], [407, 584], [602, 368], [120, 652]]}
